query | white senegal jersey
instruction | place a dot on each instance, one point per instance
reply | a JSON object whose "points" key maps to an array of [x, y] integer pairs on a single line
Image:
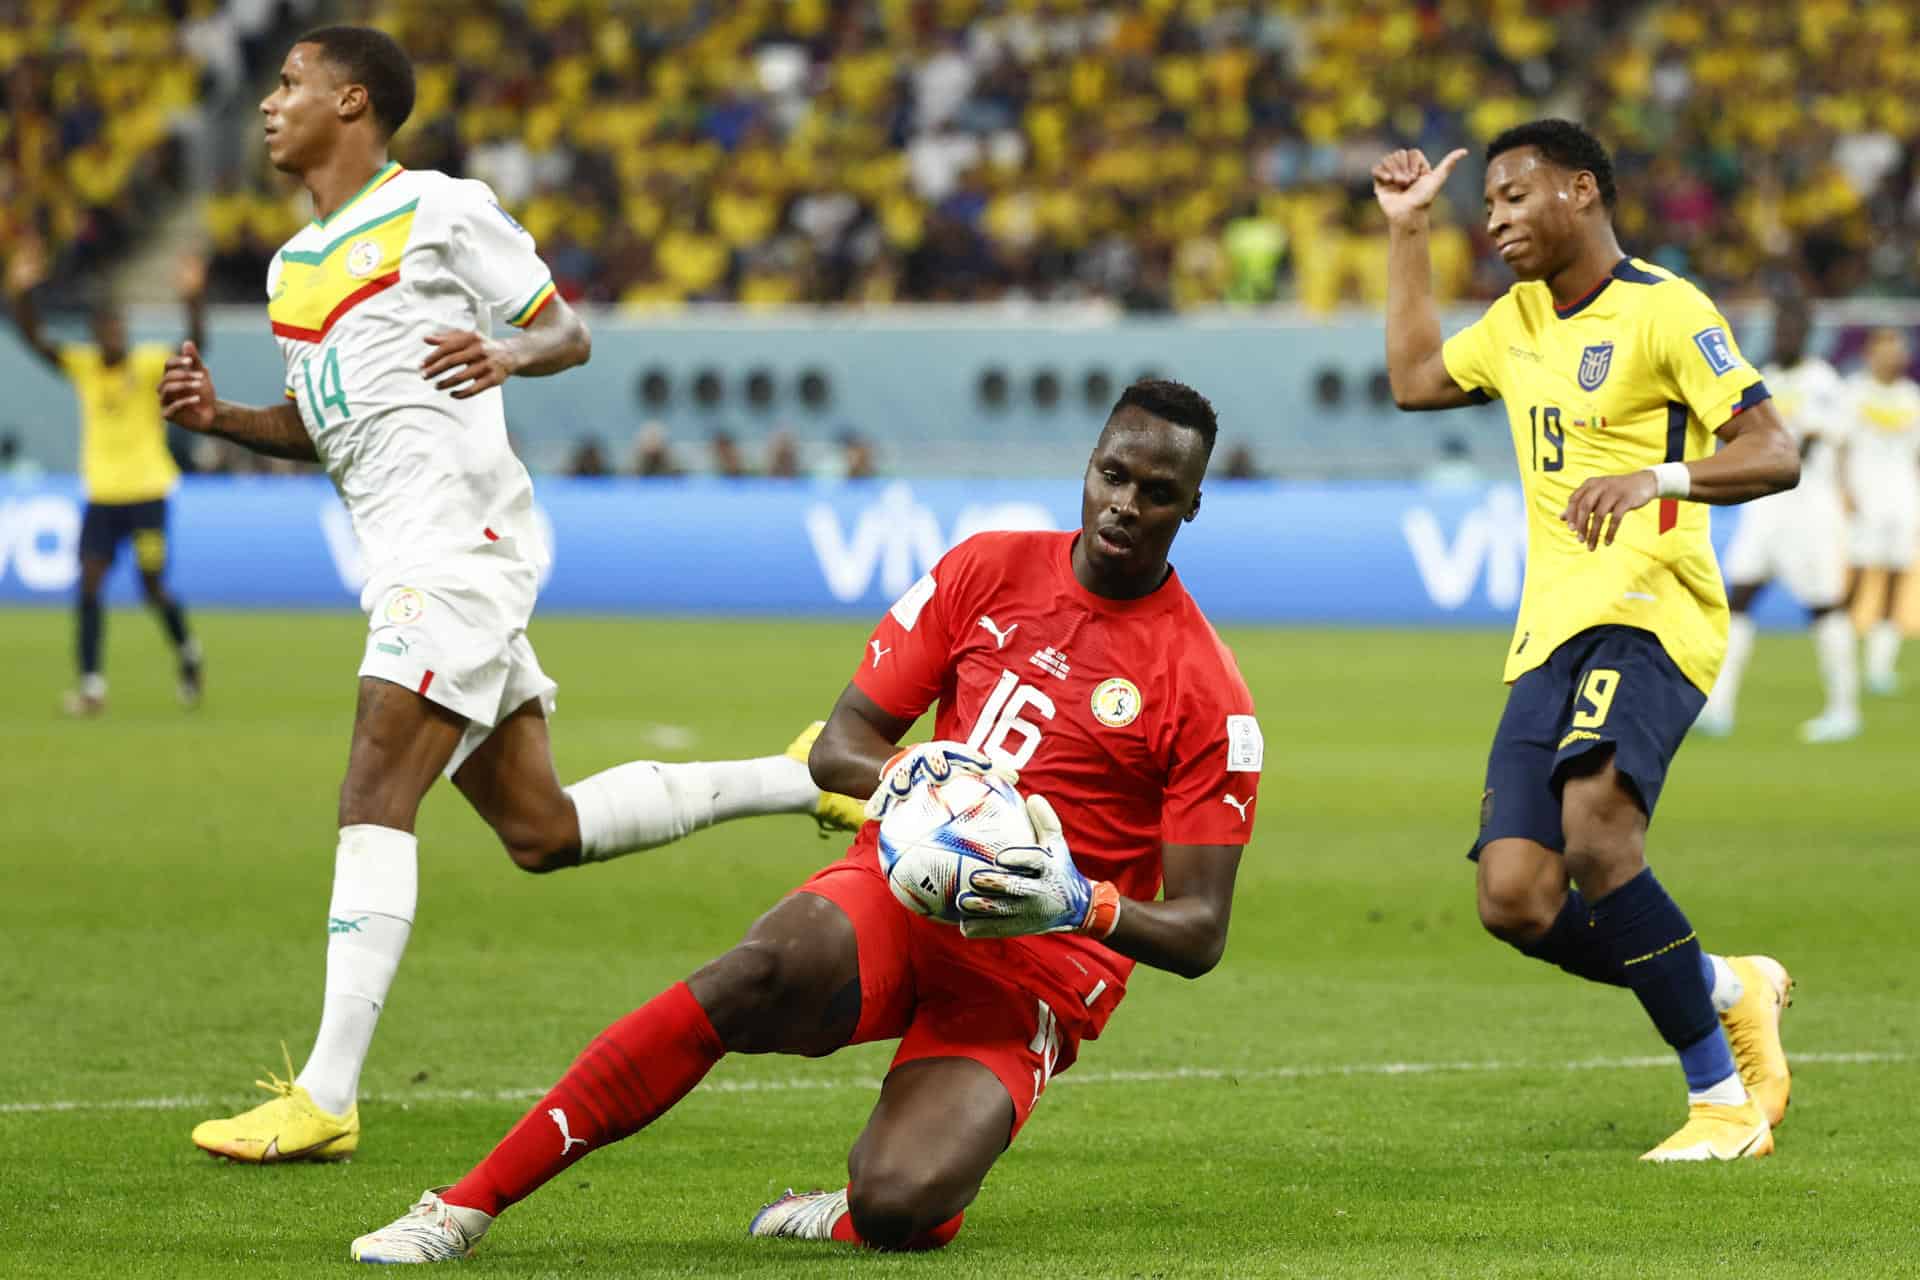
{"points": [[1883, 451], [353, 298], [1813, 403]]}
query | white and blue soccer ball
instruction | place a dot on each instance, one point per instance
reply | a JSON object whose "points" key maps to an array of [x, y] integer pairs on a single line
{"points": [[945, 830]]}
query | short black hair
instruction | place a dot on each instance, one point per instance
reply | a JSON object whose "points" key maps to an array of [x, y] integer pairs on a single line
{"points": [[370, 58], [1174, 402], [1564, 143]]}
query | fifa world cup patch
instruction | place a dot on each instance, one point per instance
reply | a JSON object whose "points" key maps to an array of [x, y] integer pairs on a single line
{"points": [[1245, 747], [1717, 348], [1116, 702], [906, 610]]}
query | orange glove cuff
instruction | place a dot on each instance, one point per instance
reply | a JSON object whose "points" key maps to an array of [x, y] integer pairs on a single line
{"points": [[1104, 914]]}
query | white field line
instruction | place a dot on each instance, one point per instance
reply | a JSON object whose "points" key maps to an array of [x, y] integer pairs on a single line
{"points": [[795, 1084]]}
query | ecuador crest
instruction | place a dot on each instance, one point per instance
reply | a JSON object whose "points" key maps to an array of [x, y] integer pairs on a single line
{"points": [[1594, 363]]}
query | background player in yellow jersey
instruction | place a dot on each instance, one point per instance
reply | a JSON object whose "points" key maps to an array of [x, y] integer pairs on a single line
{"points": [[1617, 377], [124, 464]]}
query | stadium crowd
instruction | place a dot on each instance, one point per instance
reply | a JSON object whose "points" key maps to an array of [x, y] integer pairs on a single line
{"points": [[102, 99], [1155, 153]]}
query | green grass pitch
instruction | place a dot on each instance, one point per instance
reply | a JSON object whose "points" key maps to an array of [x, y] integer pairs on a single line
{"points": [[1367, 1086]]}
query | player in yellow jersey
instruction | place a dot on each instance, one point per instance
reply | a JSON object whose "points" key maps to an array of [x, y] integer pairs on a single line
{"points": [[124, 465], [1617, 378]]}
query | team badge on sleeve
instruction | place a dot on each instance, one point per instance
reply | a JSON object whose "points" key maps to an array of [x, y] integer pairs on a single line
{"points": [[1116, 703], [1245, 747], [1594, 363], [1717, 348]]}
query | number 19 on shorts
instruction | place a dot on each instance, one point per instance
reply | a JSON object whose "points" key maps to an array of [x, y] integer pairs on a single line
{"points": [[1595, 699]]}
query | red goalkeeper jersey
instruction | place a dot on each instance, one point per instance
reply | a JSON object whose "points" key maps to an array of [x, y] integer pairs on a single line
{"points": [[1130, 716]]}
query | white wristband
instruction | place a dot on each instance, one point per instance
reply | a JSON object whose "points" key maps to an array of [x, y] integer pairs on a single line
{"points": [[1671, 480]]}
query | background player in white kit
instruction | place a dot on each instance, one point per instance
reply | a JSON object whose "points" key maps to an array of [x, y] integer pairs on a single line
{"points": [[1798, 537], [384, 306], [1883, 477]]}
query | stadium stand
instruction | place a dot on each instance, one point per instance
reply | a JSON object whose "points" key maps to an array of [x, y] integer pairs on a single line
{"points": [[90, 109], [111, 110], [1154, 154]]}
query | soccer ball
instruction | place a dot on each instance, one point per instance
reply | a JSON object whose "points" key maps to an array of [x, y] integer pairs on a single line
{"points": [[943, 831]]}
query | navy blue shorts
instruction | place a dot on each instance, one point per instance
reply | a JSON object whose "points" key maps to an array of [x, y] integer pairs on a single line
{"points": [[107, 524], [1607, 689]]}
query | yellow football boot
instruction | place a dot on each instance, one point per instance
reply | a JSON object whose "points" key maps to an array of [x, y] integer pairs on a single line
{"points": [[834, 812], [1753, 1029], [1716, 1132], [287, 1127]]}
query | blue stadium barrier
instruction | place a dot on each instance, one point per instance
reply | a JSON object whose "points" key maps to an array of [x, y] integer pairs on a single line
{"points": [[1372, 554]]}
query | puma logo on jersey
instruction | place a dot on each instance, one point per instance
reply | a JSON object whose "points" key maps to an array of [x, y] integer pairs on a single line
{"points": [[1001, 637], [567, 1140], [1239, 806], [878, 652]]}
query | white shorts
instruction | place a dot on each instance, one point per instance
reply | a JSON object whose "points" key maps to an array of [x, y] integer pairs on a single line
{"points": [[1797, 538], [1885, 533], [455, 632]]}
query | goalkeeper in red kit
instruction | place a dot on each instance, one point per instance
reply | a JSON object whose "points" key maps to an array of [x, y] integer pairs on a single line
{"points": [[1080, 661]]}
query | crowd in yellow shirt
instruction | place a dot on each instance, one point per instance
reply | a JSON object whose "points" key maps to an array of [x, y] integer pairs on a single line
{"points": [[1162, 153], [92, 89]]}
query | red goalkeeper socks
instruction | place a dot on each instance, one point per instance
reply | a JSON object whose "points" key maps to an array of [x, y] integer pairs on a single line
{"points": [[633, 1073]]}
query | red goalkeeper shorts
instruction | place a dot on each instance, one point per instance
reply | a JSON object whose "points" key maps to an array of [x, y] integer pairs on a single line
{"points": [[911, 989]]}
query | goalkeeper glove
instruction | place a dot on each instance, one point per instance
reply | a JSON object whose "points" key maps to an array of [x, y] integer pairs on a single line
{"points": [[1037, 889], [907, 767]]}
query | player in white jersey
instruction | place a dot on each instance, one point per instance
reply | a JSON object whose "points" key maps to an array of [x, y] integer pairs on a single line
{"points": [[385, 308], [1798, 537], [1883, 477]]}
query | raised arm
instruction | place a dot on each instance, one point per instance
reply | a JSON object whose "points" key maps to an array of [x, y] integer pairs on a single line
{"points": [[27, 271], [1405, 185], [467, 363], [187, 400]]}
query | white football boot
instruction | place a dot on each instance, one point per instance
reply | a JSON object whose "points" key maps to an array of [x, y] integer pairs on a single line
{"points": [[431, 1231], [801, 1215]]}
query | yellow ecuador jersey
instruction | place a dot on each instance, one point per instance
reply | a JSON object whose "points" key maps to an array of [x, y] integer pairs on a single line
{"points": [[123, 439], [1640, 371]]}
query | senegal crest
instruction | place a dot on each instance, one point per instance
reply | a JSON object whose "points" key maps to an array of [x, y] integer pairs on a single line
{"points": [[364, 257], [405, 606], [1594, 363], [1116, 703]]}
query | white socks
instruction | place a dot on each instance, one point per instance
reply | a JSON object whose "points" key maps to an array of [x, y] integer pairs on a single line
{"points": [[1883, 650], [1839, 671], [1727, 987], [376, 882], [1727, 990], [1728, 1093], [1726, 690], [646, 804]]}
